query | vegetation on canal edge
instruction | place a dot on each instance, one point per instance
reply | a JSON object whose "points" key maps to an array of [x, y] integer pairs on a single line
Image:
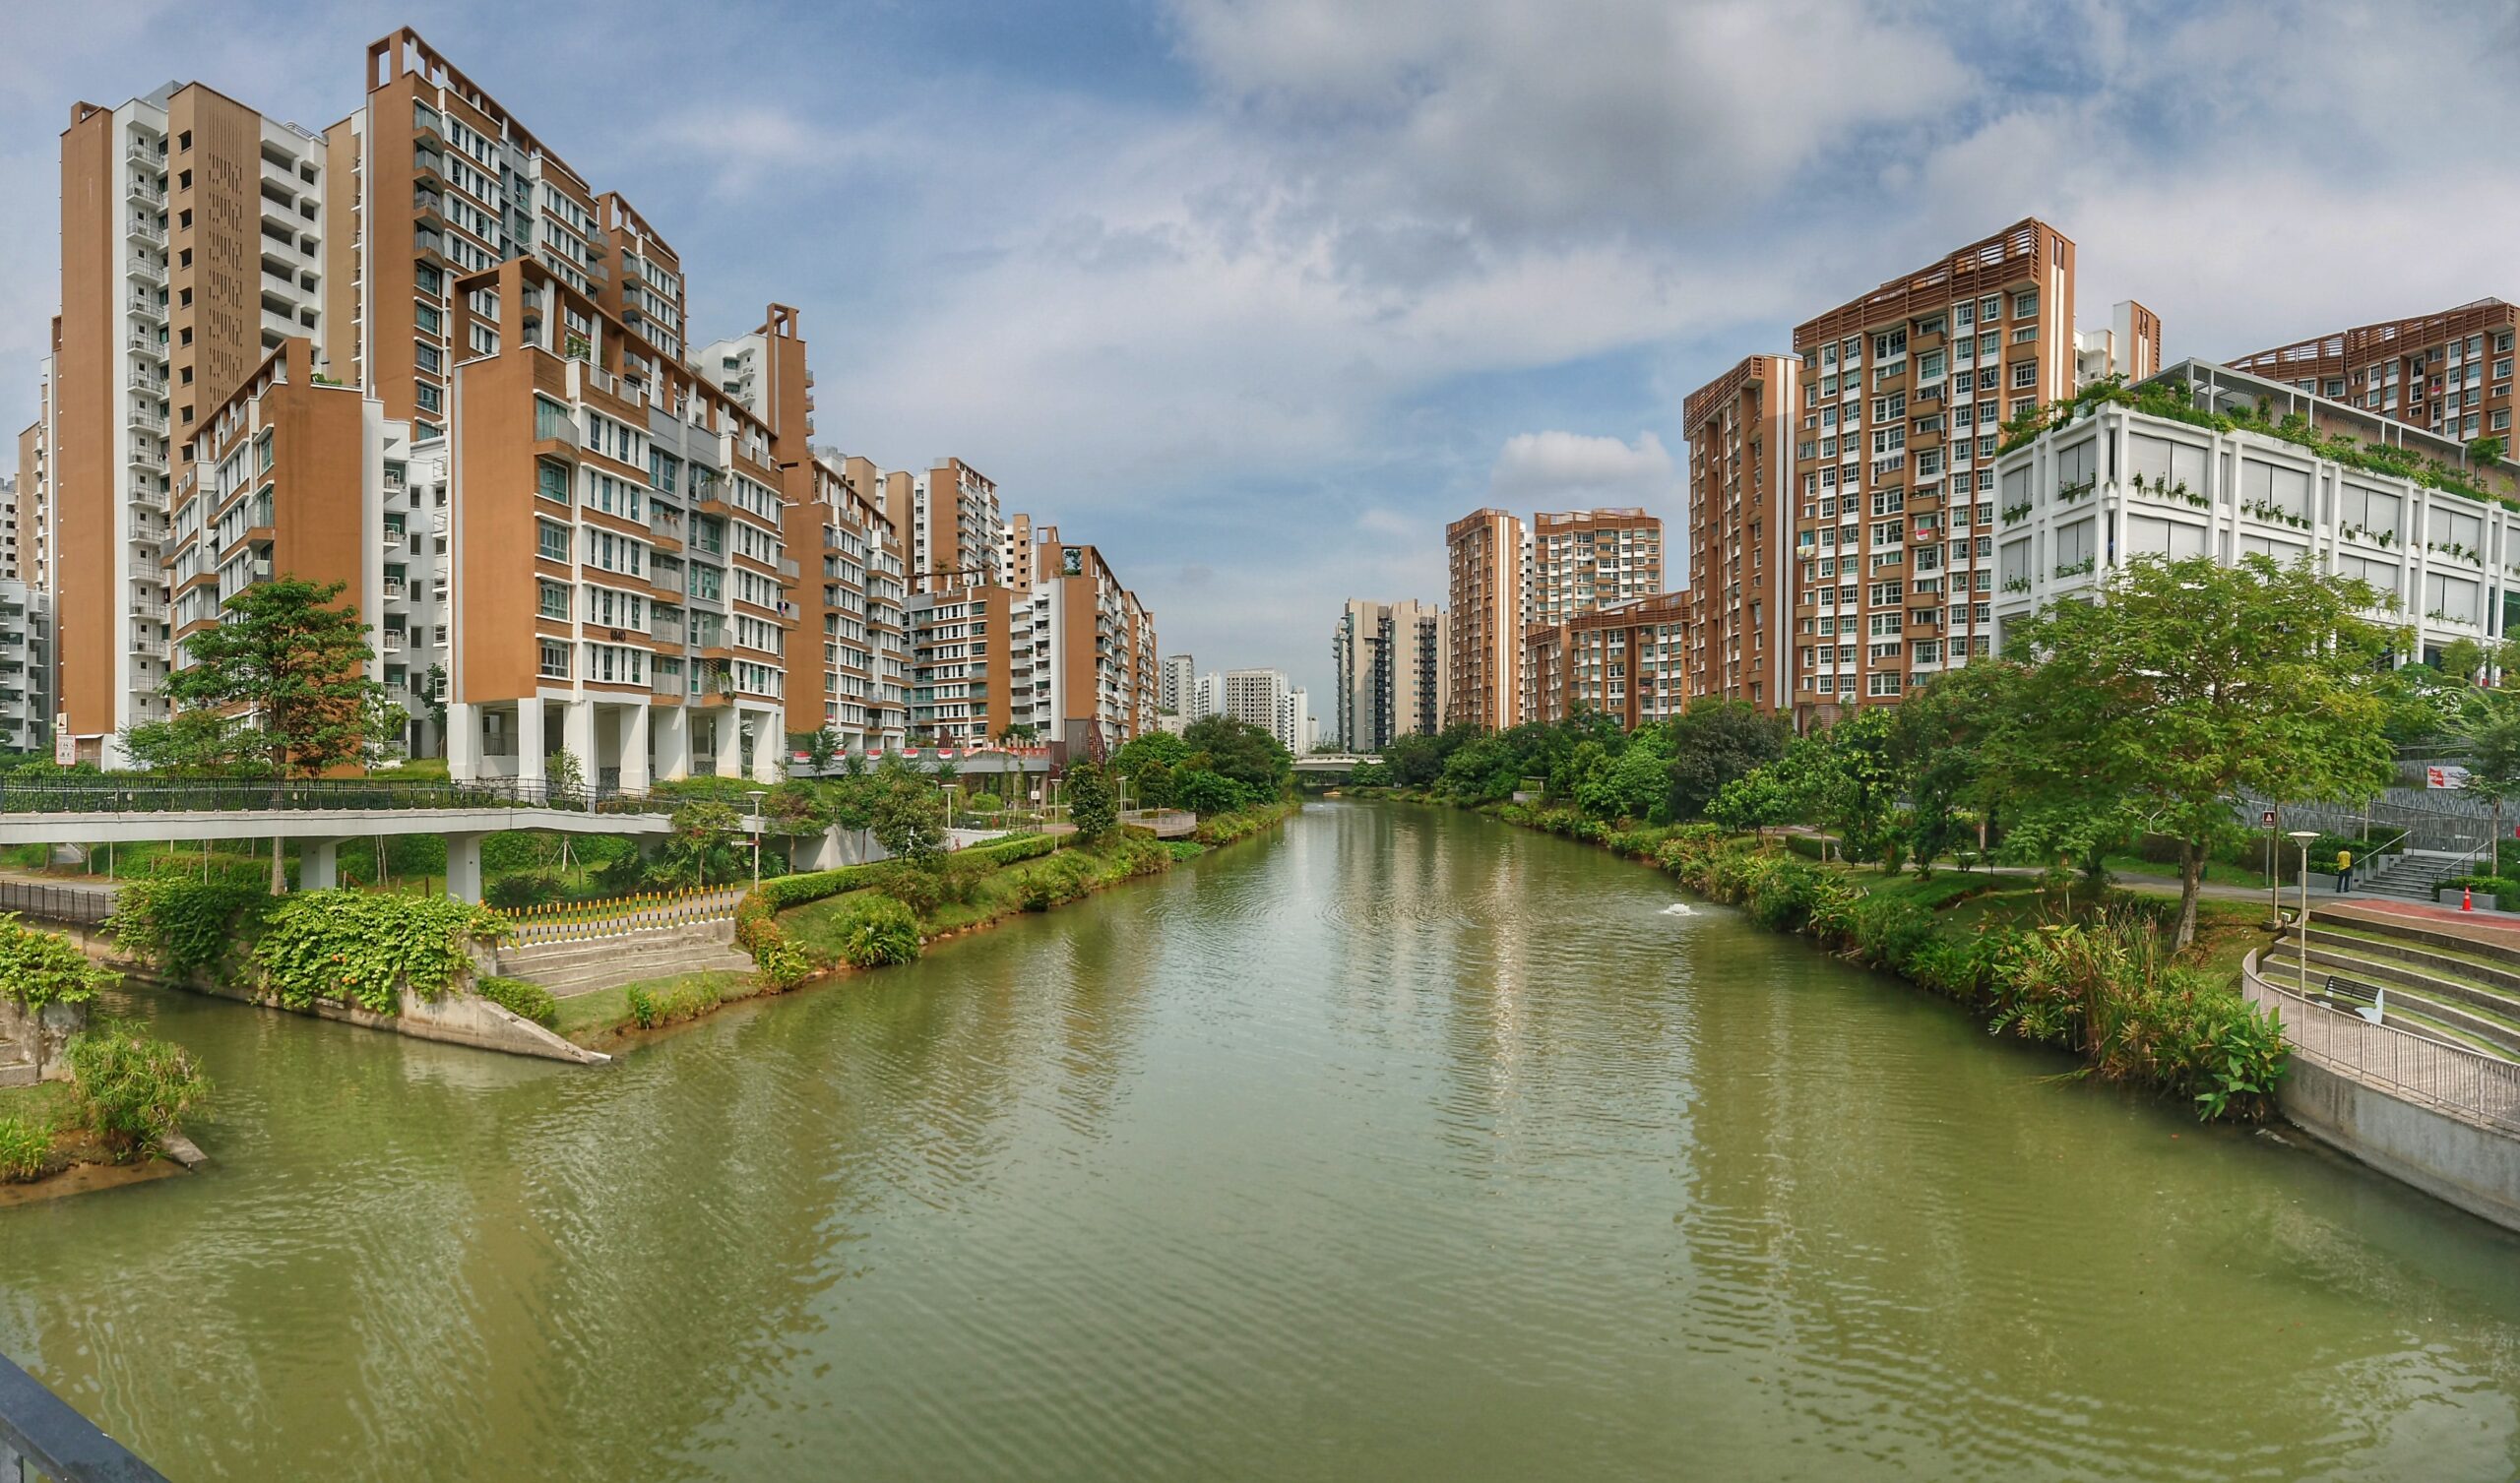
{"points": [[126, 1090], [2091, 972], [866, 916], [343, 946]]}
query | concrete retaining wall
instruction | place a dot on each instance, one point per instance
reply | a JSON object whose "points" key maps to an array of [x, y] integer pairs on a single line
{"points": [[2475, 1169], [40, 1036], [455, 1019]]}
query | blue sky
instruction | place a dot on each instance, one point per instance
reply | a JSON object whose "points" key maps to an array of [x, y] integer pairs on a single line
{"points": [[1258, 294]]}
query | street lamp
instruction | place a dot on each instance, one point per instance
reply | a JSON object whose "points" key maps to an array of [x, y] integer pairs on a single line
{"points": [[2303, 838], [756, 795]]}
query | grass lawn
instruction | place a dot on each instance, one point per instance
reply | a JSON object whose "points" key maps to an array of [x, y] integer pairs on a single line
{"points": [[606, 1009], [47, 1104]]}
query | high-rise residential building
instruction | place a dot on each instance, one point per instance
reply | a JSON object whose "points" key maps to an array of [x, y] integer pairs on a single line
{"points": [[1584, 559], [952, 531], [2128, 347], [2448, 373], [1394, 665], [9, 564], [1181, 676], [1625, 660], [851, 596], [1489, 553], [1085, 653], [34, 481], [25, 668], [2116, 484], [1903, 391], [193, 233], [1269, 699], [1739, 644]]}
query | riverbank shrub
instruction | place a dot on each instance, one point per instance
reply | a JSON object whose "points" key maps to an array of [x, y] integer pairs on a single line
{"points": [[686, 999], [134, 1089], [521, 998], [1241, 824], [185, 928], [366, 949], [25, 1151], [39, 969], [877, 930]]}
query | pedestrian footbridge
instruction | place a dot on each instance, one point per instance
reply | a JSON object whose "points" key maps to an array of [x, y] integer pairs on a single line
{"points": [[320, 814]]}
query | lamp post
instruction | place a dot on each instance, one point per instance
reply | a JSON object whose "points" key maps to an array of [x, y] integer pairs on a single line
{"points": [[756, 795], [2303, 838]]}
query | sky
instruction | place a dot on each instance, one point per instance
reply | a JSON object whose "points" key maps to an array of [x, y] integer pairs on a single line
{"points": [[1258, 294]]}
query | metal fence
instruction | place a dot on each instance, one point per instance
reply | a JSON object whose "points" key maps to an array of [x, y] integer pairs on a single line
{"points": [[362, 793], [77, 905], [620, 917], [44, 1440], [2465, 1083]]}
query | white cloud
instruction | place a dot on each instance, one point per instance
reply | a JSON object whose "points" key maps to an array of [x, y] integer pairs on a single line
{"points": [[1562, 470]]}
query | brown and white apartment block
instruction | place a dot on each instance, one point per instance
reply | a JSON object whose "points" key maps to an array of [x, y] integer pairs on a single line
{"points": [[1582, 561], [2448, 373], [1739, 641], [1904, 392], [1625, 660]]}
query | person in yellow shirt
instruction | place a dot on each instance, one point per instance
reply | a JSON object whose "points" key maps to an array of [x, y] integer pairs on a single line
{"points": [[2344, 871]]}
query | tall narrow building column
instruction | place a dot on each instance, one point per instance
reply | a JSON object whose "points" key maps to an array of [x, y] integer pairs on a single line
{"points": [[634, 749], [528, 740]]}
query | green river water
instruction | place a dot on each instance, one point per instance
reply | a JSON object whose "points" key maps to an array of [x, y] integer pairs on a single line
{"points": [[1405, 1146]]}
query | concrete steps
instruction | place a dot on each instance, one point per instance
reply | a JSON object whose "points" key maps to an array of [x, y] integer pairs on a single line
{"points": [[2411, 876], [2429, 1004], [582, 967]]}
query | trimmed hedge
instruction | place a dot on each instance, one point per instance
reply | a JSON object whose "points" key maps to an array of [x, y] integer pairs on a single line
{"points": [[814, 885], [525, 1000]]}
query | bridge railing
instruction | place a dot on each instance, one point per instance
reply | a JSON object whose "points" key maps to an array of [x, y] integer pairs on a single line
{"points": [[352, 793], [44, 1440]]}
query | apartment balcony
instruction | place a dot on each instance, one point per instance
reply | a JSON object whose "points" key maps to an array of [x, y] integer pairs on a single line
{"points": [[142, 152], [146, 230], [147, 382], [151, 648], [394, 589], [148, 457], [147, 306], [147, 270], [391, 640], [145, 188], [144, 415], [393, 540]]}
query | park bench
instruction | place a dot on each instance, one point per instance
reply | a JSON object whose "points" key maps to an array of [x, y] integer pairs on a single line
{"points": [[2369, 1001]]}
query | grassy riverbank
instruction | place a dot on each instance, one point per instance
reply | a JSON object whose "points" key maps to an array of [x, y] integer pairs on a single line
{"points": [[2090, 974], [827, 924]]}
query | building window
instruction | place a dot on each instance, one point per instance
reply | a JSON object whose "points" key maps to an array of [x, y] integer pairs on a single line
{"points": [[552, 420], [551, 542], [555, 600], [2025, 304], [555, 659], [551, 480]]}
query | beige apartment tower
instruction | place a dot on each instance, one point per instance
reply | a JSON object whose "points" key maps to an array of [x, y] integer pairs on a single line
{"points": [[1488, 555], [1394, 664], [2448, 373]]}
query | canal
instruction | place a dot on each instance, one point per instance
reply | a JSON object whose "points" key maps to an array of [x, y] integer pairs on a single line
{"points": [[1404, 1146]]}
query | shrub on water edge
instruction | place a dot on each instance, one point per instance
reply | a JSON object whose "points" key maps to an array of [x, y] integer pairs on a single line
{"points": [[920, 891], [878, 930], [39, 967], [24, 1150], [181, 926], [134, 1089], [525, 1000], [687, 1000], [365, 948], [1888, 931], [1185, 850]]}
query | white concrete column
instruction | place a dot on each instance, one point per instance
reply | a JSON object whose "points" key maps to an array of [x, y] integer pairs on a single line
{"points": [[634, 748], [577, 733], [672, 726], [731, 742], [464, 867], [318, 864], [528, 739], [769, 745], [462, 742]]}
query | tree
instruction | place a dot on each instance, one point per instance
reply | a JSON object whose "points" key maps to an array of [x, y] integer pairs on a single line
{"points": [[197, 742], [298, 670], [2191, 682], [1091, 805], [696, 849], [1241, 752], [2491, 728], [1757, 800], [822, 748], [1634, 784], [907, 814], [1712, 744], [1948, 739], [1851, 781], [1203, 792]]}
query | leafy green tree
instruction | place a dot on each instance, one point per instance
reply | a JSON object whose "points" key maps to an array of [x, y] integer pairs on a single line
{"points": [[1758, 800], [1152, 748], [298, 668], [822, 749], [1093, 806], [1852, 780], [1203, 792], [1417, 760], [1241, 752], [1948, 738], [198, 743], [2490, 727], [1712, 743], [2191, 682], [696, 849], [907, 814], [1635, 784]]}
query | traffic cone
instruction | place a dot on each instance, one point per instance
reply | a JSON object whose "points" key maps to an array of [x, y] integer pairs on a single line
{"points": [[2467, 899]]}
